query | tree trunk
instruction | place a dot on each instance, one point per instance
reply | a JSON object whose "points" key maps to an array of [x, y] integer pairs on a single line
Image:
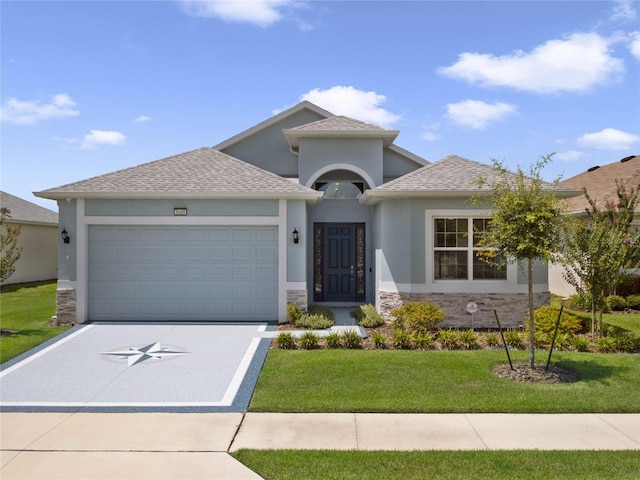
{"points": [[532, 347]]}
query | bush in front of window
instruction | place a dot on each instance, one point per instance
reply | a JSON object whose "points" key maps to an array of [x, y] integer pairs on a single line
{"points": [[313, 321], [545, 319], [418, 317]]}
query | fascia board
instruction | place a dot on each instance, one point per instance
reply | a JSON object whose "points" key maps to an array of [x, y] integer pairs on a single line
{"points": [[309, 196]]}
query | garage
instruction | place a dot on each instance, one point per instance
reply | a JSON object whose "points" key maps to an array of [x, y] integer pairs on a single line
{"points": [[182, 273]]}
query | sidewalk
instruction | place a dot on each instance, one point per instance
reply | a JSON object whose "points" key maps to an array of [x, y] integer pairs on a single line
{"points": [[196, 445]]}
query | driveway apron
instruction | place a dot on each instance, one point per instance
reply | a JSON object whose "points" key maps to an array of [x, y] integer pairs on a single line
{"points": [[177, 367]]}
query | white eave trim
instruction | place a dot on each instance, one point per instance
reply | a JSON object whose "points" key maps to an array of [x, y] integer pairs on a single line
{"points": [[312, 197], [294, 135]]}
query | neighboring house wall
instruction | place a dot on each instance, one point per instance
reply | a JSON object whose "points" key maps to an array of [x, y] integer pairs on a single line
{"points": [[38, 260]]}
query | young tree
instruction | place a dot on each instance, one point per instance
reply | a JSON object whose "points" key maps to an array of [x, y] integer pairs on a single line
{"points": [[601, 250], [524, 223], [9, 250]]}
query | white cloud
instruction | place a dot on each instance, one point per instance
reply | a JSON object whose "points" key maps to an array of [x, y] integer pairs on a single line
{"points": [[623, 10], [354, 103], [568, 156], [576, 63], [634, 44], [142, 118], [608, 139], [30, 112], [263, 13], [102, 137], [478, 114]]}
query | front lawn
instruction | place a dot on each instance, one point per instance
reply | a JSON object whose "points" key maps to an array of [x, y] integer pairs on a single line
{"points": [[397, 381], [447, 465], [25, 317]]}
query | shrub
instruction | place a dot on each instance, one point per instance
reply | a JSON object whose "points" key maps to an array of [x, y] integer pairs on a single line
{"points": [[293, 313], [285, 341], [545, 319], [468, 339], [492, 339], [581, 344], [448, 339], [541, 339], [419, 317], [308, 341], [579, 302], [401, 339], [633, 302], [333, 340], [513, 338], [626, 342], [367, 316], [351, 339], [616, 302], [423, 341], [606, 344], [379, 340], [313, 321], [563, 340], [315, 309]]}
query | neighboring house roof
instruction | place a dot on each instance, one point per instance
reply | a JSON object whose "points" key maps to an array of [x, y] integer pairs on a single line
{"points": [[600, 182], [339, 127], [201, 173], [22, 211], [451, 176]]}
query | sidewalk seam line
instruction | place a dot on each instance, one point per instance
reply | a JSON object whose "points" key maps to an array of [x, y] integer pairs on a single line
{"points": [[235, 434], [466, 416]]}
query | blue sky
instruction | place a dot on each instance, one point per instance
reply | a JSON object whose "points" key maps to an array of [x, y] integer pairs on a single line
{"points": [[94, 86]]}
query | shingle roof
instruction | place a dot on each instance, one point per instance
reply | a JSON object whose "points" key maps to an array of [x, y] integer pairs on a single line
{"points": [[22, 211], [339, 122], [201, 173], [600, 182], [339, 127], [450, 176]]}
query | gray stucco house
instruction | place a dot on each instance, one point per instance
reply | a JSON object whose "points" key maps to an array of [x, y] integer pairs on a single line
{"points": [[305, 207]]}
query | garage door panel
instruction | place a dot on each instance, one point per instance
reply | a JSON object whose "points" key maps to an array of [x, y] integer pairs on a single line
{"points": [[183, 273]]}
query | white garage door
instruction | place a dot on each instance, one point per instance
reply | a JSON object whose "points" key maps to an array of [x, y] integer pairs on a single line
{"points": [[183, 273]]}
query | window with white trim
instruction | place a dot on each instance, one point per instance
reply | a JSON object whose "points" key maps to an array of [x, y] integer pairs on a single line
{"points": [[456, 253]]}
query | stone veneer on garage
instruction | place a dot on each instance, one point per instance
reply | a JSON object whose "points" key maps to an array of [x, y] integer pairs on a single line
{"points": [[511, 307], [298, 297], [65, 306]]}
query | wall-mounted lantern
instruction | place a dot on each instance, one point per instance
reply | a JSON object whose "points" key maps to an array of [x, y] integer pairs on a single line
{"points": [[296, 237], [65, 236]]}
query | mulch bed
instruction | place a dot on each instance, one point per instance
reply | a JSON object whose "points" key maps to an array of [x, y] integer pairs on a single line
{"points": [[524, 373]]}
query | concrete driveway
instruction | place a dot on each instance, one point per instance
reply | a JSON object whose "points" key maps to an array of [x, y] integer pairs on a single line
{"points": [[174, 367]]}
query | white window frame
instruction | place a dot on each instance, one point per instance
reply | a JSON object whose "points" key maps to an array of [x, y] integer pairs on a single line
{"points": [[455, 285]]}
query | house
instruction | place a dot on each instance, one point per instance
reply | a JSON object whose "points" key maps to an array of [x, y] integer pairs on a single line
{"points": [[38, 239], [600, 184], [305, 207]]}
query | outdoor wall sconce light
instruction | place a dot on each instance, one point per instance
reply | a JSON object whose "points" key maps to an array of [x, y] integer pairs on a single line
{"points": [[296, 237], [65, 236]]}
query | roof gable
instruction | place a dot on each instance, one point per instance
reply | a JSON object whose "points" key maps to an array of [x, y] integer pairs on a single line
{"points": [[22, 211], [201, 173], [600, 182]]}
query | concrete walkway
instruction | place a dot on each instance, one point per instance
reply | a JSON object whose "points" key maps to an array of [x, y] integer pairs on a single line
{"points": [[196, 445]]}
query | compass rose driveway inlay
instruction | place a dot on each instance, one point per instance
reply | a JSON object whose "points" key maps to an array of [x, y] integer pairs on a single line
{"points": [[139, 367]]}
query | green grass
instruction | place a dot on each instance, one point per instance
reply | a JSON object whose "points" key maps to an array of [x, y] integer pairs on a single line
{"points": [[439, 381], [447, 465], [626, 321], [26, 310]]}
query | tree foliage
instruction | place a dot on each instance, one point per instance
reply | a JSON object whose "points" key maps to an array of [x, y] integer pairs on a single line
{"points": [[600, 250], [526, 214], [9, 250]]}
